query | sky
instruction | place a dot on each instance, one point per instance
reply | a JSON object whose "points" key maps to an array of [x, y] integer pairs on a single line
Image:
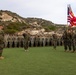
{"points": [[51, 10]]}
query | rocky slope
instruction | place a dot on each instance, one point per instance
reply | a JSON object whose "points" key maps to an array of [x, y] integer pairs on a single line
{"points": [[14, 23]]}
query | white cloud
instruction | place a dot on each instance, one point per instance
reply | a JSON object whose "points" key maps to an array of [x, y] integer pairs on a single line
{"points": [[53, 10]]}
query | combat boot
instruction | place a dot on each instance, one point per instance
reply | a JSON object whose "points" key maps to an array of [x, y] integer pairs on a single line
{"points": [[1, 57]]}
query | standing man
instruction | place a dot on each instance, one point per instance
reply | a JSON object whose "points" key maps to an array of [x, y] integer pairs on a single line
{"points": [[1, 42], [54, 40], [36, 40], [26, 41], [69, 39], [65, 40]]}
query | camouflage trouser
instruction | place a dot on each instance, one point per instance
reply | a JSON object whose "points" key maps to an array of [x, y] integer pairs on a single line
{"points": [[1, 52], [69, 43], [73, 45], [1, 46], [26, 44], [36, 43], [65, 45], [1, 49], [54, 44]]}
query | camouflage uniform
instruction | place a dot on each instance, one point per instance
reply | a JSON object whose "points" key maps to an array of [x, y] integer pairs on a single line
{"points": [[26, 41], [1, 43], [65, 40], [69, 39], [73, 40], [54, 40], [36, 40]]}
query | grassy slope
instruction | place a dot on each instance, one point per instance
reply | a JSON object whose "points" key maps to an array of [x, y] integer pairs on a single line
{"points": [[38, 61]]}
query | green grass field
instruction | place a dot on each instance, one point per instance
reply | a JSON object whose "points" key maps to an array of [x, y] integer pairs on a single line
{"points": [[38, 61]]}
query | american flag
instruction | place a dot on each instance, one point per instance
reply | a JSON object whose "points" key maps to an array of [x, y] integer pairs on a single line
{"points": [[70, 14], [71, 19]]}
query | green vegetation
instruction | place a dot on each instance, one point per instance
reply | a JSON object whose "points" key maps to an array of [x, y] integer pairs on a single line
{"points": [[38, 61], [14, 27], [49, 28], [47, 25]]}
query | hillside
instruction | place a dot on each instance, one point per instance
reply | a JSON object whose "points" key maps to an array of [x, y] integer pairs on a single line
{"points": [[14, 23]]}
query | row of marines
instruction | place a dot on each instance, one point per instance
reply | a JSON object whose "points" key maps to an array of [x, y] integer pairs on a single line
{"points": [[68, 38], [34, 40], [23, 39]]}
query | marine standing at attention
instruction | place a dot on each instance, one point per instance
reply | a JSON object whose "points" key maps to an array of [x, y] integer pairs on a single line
{"points": [[26, 40], [1, 42]]}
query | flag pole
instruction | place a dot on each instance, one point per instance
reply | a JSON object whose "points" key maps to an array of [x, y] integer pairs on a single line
{"points": [[67, 17]]}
